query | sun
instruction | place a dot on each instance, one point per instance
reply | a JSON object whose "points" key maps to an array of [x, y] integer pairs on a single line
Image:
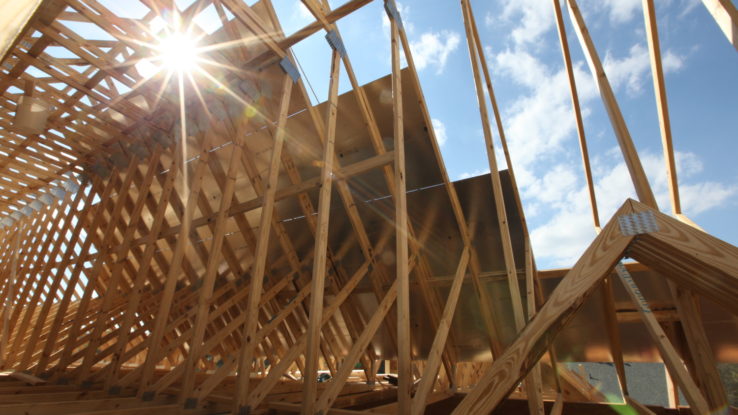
{"points": [[178, 52]]}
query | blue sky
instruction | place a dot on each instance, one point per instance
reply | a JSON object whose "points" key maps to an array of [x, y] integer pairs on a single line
{"points": [[523, 53]]}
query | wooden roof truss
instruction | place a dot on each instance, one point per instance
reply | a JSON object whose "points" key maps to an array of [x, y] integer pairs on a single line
{"points": [[207, 253]]}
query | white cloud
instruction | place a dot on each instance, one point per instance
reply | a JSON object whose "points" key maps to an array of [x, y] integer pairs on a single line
{"points": [[430, 48], [301, 13], [539, 122], [553, 187], [700, 197], [523, 67], [562, 240], [473, 173], [688, 164], [633, 70], [535, 18], [628, 71], [440, 129], [672, 62], [622, 11], [564, 237], [489, 19], [687, 6], [303, 10], [433, 49], [404, 15], [540, 129]]}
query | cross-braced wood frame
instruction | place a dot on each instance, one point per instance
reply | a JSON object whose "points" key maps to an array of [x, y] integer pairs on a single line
{"points": [[225, 245]]}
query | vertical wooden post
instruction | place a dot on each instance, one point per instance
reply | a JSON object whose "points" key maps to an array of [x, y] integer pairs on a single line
{"points": [[331, 393], [534, 383], [404, 373], [310, 377], [262, 246], [211, 271], [608, 301], [511, 271], [705, 373]]}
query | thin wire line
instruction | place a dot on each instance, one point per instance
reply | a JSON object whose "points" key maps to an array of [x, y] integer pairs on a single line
{"points": [[304, 75]]}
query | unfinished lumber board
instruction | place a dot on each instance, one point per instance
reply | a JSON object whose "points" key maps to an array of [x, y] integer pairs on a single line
{"points": [[697, 402], [596, 262], [726, 16], [310, 377], [27, 378]]}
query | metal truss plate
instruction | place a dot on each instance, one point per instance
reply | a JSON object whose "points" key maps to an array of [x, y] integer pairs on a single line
{"points": [[391, 8], [289, 68], [638, 223], [336, 43]]}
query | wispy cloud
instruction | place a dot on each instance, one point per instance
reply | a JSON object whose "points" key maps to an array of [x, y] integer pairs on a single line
{"points": [[629, 70], [540, 119], [472, 173], [541, 135], [535, 17], [633, 70], [404, 15], [433, 49], [564, 237], [440, 129], [621, 11], [430, 49]]}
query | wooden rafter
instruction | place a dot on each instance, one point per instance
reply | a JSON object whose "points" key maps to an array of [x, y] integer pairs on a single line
{"points": [[227, 249]]}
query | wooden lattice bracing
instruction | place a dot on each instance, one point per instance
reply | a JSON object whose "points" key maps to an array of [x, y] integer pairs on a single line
{"points": [[177, 248]]}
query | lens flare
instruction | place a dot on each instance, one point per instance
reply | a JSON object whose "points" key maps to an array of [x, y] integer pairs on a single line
{"points": [[178, 52]]}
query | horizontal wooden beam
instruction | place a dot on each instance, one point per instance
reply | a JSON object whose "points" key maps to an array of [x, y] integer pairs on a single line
{"points": [[343, 173]]}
